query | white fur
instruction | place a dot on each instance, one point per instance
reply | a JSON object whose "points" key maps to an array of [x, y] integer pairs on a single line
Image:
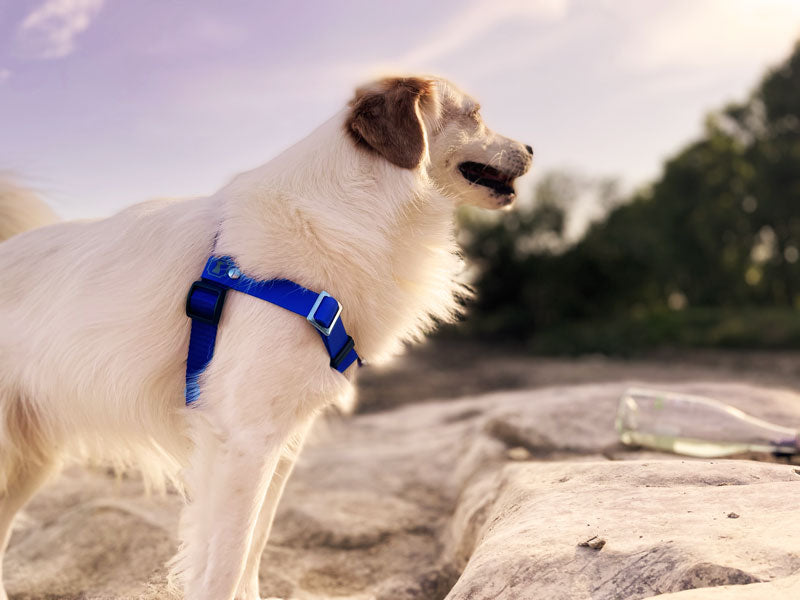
{"points": [[94, 335]]}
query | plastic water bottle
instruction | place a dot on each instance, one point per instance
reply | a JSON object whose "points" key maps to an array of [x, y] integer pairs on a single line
{"points": [[697, 426]]}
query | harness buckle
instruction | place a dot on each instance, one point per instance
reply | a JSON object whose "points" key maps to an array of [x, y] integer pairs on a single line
{"points": [[312, 314], [204, 301]]}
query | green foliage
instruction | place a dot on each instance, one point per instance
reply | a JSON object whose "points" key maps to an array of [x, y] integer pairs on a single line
{"points": [[697, 259], [745, 328]]}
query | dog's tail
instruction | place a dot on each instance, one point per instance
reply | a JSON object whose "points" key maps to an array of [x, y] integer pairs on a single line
{"points": [[21, 209]]}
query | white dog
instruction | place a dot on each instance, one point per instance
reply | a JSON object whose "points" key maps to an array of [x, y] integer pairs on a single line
{"points": [[93, 334]]}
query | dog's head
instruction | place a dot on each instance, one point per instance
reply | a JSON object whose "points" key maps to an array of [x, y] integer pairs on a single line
{"points": [[416, 122]]}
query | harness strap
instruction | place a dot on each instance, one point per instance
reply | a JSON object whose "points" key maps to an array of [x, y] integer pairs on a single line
{"points": [[207, 296]]}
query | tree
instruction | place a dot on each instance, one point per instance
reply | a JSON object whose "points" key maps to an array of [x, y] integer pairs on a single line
{"points": [[719, 228]]}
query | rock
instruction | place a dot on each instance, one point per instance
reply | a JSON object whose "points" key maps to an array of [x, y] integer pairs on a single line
{"points": [[485, 497], [784, 588], [523, 520], [518, 453], [594, 542]]}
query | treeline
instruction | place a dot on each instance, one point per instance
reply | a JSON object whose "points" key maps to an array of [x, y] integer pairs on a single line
{"points": [[707, 255]]}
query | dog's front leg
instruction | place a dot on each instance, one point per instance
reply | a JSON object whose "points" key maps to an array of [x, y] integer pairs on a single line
{"points": [[219, 523], [248, 588]]}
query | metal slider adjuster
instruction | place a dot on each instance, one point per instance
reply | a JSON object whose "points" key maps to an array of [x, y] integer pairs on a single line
{"points": [[311, 317]]}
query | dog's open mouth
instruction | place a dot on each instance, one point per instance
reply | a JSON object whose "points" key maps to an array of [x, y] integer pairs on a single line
{"points": [[481, 174]]}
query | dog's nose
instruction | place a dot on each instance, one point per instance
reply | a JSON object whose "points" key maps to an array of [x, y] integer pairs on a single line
{"points": [[529, 149]]}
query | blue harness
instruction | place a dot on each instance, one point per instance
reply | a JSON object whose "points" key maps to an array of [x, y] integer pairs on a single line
{"points": [[204, 307]]}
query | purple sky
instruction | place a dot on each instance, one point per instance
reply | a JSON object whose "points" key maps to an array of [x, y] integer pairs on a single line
{"points": [[107, 102]]}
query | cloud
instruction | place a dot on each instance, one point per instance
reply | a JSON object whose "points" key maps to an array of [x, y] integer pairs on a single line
{"points": [[49, 31], [198, 33], [473, 21], [4, 75], [478, 19], [686, 34]]}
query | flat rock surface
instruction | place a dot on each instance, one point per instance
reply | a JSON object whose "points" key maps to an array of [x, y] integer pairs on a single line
{"points": [[513, 495]]}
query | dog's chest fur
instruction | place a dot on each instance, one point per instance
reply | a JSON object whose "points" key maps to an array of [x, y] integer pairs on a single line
{"points": [[379, 238]]}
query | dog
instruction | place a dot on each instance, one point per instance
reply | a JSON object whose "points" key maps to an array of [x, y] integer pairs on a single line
{"points": [[93, 342]]}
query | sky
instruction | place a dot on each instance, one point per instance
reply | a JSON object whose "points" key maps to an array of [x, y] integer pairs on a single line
{"points": [[104, 103]]}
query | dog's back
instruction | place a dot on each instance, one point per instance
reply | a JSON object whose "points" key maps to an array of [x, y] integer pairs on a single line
{"points": [[91, 326]]}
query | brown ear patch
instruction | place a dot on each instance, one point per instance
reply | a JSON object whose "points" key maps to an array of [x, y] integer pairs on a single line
{"points": [[384, 118]]}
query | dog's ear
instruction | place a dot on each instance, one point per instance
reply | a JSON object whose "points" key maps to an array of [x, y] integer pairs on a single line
{"points": [[385, 118]]}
